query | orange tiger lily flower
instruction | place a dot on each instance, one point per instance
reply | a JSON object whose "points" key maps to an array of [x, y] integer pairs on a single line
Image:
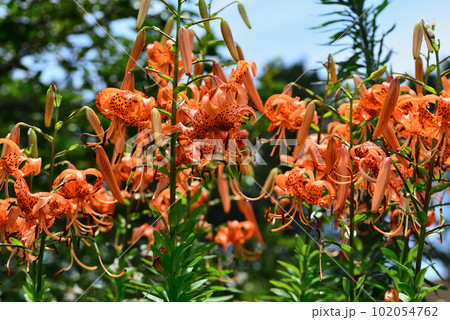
{"points": [[373, 98], [11, 163], [128, 107], [72, 185], [237, 234], [161, 58], [391, 296], [103, 203], [371, 163], [44, 206], [301, 184], [285, 113], [145, 230]]}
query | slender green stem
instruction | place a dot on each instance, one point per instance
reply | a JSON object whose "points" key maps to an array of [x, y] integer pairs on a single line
{"points": [[173, 140], [128, 213], [352, 214], [438, 74], [223, 8], [405, 248], [50, 182], [423, 223], [322, 111]]}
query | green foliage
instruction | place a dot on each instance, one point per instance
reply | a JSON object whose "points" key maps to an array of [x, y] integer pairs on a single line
{"points": [[180, 263], [31, 292], [300, 280], [411, 287]]}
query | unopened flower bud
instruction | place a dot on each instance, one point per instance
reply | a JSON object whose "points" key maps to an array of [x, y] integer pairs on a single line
{"points": [[430, 33], [168, 29], [186, 49], [95, 123], [388, 106], [338, 93], [392, 142], [417, 39], [332, 69], [143, 10], [331, 154], [128, 82], [32, 143], [137, 50], [228, 38], [343, 176], [198, 68], [49, 105], [419, 74], [203, 8], [218, 72], [382, 183], [104, 166], [156, 126], [240, 53], [378, 73], [5, 149], [429, 36], [191, 37], [15, 135], [307, 120], [157, 261], [243, 14], [362, 89], [287, 90]]}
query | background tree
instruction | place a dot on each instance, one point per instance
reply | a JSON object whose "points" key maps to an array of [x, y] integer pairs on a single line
{"points": [[355, 24]]}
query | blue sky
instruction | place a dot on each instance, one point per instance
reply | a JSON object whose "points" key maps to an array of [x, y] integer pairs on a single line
{"points": [[282, 28]]}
